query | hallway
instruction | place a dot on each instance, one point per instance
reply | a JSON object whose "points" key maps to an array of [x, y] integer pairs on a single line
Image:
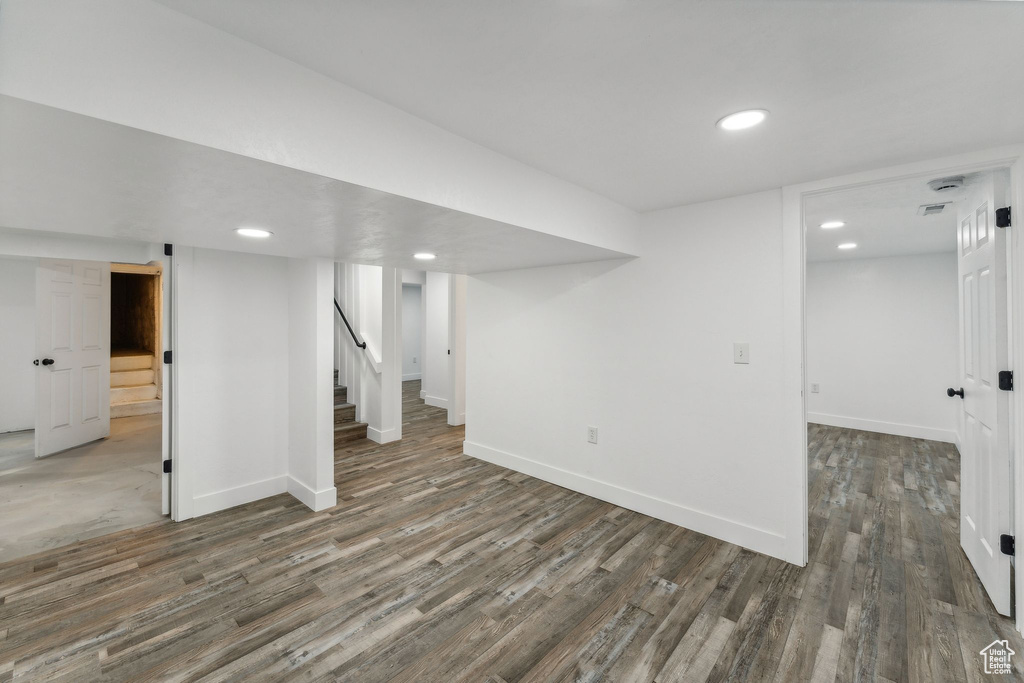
{"points": [[438, 567]]}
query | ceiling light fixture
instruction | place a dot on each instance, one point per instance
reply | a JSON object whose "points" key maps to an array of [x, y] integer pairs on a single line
{"points": [[254, 232], [424, 256], [848, 245], [742, 119], [831, 225]]}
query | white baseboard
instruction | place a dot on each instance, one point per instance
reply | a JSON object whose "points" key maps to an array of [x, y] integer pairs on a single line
{"points": [[753, 538], [240, 495], [435, 401], [314, 500], [896, 429], [383, 435], [412, 376]]}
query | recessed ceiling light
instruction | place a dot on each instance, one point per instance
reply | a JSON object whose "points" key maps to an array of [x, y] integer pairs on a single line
{"points": [[424, 256], [254, 232], [848, 245], [742, 119], [829, 225]]}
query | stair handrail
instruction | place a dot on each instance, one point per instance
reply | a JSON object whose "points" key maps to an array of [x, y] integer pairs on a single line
{"points": [[358, 343]]}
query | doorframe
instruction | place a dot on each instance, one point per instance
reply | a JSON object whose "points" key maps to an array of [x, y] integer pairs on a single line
{"points": [[794, 324]]}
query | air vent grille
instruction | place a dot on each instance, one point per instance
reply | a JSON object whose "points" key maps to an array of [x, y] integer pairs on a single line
{"points": [[931, 209]]}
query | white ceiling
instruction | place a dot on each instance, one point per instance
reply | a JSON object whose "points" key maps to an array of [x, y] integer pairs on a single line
{"points": [[882, 220], [64, 172], [621, 97]]}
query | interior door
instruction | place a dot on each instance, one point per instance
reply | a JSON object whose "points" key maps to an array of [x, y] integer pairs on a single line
{"points": [[73, 344], [985, 428]]}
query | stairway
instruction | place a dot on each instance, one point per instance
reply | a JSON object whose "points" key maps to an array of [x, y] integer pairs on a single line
{"points": [[346, 429], [132, 384]]}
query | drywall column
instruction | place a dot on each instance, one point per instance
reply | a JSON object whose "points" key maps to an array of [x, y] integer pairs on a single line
{"points": [[376, 307], [435, 341], [311, 333], [391, 359], [457, 342]]}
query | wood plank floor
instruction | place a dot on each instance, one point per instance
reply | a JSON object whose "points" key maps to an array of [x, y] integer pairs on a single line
{"points": [[438, 567]]}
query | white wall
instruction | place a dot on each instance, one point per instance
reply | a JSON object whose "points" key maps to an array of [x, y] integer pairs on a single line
{"points": [[190, 81], [412, 332], [882, 344], [684, 434], [435, 341], [17, 344], [231, 354]]}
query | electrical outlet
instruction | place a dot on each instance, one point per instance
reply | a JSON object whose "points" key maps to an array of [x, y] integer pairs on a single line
{"points": [[414, 360], [741, 353], [815, 388], [592, 434]]}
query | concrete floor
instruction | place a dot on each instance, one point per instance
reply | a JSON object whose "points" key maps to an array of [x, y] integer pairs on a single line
{"points": [[85, 492]]}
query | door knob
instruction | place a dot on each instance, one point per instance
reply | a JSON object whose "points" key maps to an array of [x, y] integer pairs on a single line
{"points": [[48, 361], [949, 392]]}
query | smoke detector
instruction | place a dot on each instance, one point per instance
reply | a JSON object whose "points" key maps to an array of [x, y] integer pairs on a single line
{"points": [[932, 209], [953, 182]]}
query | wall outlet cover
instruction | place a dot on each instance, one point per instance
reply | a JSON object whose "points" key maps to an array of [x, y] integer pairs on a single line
{"points": [[592, 434]]}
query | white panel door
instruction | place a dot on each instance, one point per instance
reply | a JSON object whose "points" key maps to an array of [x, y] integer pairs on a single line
{"points": [[73, 345], [985, 428]]}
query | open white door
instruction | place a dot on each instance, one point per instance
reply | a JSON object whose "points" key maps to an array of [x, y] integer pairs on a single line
{"points": [[985, 428], [73, 344]]}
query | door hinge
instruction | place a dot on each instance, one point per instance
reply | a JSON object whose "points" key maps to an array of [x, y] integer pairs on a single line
{"points": [[167, 466], [1006, 380], [1007, 545], [168, 250], [1003, 217], [168, 357]]}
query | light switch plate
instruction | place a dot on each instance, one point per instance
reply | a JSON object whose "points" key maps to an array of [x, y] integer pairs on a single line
{"points": [[741, 352]]}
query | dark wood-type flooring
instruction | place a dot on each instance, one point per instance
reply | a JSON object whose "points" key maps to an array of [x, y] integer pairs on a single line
{"points": [[438, 567]]}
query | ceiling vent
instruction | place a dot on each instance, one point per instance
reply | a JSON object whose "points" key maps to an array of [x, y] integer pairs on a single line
{"points": [[954, 182], [932, 209]]}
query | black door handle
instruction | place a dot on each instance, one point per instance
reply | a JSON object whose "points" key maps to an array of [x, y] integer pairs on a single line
{"points": [[48, 361], [949, 392]]}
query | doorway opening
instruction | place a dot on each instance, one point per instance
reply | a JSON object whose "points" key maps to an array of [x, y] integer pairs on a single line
{"points": [[425, 346], [413, 340], [71, 468], [135, 341], [907, 326]]}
